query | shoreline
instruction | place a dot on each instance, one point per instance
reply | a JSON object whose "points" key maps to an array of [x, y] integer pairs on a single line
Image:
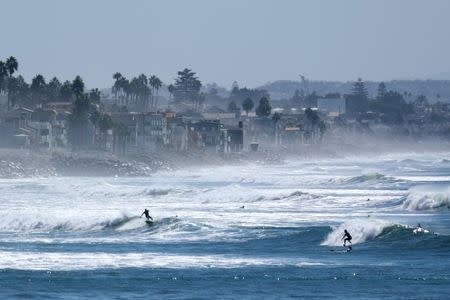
{"points": [[22, 163], [27, 163]]}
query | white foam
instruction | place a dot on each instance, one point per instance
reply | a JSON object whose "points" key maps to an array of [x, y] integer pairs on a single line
{"points": [[361, 231], [90, 261], [428, 197], [206, 200]]}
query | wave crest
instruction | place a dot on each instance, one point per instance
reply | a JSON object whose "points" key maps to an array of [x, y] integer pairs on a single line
{"points": [[427, 198], [120, 223], [360, 230]]}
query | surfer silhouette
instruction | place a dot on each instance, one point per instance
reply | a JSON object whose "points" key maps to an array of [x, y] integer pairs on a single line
{"points": [[347, 238], [147, 215]]}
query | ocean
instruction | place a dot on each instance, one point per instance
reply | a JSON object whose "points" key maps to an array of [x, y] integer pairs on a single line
{"points": [[233, 232]]}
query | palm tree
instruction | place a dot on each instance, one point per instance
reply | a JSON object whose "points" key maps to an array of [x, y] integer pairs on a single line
{"points": [[126, 88], [38, 87], [156, 84], [143, 90], [3, 76], [116, 87], [11, 65], [171, 89]]}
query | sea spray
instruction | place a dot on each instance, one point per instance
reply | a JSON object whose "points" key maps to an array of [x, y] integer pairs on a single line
{"points": [[361, 230], [427, 197]]}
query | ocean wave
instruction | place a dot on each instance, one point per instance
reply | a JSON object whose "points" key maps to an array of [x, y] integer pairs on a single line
{"points": [[389, 233], [296, 195], [121, 223], [427, 198], [370, 177], [130, 193], [67, 261], [361, 231]]}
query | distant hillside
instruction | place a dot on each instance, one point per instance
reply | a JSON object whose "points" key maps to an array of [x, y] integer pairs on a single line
{"points": [[283, 89]]}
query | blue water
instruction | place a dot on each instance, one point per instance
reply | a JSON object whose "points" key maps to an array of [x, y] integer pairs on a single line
{"points": [[83, 238]]}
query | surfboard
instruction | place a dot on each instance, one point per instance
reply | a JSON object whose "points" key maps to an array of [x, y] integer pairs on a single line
{"points": [[149, 223], [340, 250]]}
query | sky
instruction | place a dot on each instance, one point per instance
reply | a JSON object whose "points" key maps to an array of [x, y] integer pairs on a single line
{"points": [[249, 41]]}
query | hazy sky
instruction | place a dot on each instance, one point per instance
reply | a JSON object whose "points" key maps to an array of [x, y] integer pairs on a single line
{"points": [[252, 42]]}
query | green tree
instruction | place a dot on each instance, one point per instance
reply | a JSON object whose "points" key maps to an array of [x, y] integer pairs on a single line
{"points": [[315, 124], [357, 101], [156, 84], [120, 135], [276, 117], [18, 90], [264, 109], [232, 106], [248, 105], [78, 87], [359, 89], [102, 123], [381, 91], [94, 95], [3, 76], [79, 119], [38, 89], [187, 88], [240, 94], [116, 88], [66, 92], [7, 69], [53, 89], [391, 106], [171, 90], [312, 116], [11, 65]]}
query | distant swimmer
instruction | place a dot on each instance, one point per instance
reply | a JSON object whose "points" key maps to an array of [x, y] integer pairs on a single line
{"points": [[147, 215], [347, 238], [242, 206]]}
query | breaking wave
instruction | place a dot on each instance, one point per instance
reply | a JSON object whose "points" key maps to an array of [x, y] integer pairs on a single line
{"points": [[369, 178], [427, 198], [391, 234], [361, 231], [122, 223]]}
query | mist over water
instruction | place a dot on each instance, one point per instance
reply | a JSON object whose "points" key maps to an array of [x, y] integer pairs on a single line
{"points": [[239, 227]]}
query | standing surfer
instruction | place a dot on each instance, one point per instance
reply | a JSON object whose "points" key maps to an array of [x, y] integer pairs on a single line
{"points": [[147, 215], [347, 238]]}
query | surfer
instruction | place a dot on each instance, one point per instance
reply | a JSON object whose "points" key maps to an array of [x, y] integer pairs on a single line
{"points": [[347, 238], [147, 215]]}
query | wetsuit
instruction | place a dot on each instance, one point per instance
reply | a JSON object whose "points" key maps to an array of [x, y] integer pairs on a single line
{"points": [[347, 238], [147, 214]]}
